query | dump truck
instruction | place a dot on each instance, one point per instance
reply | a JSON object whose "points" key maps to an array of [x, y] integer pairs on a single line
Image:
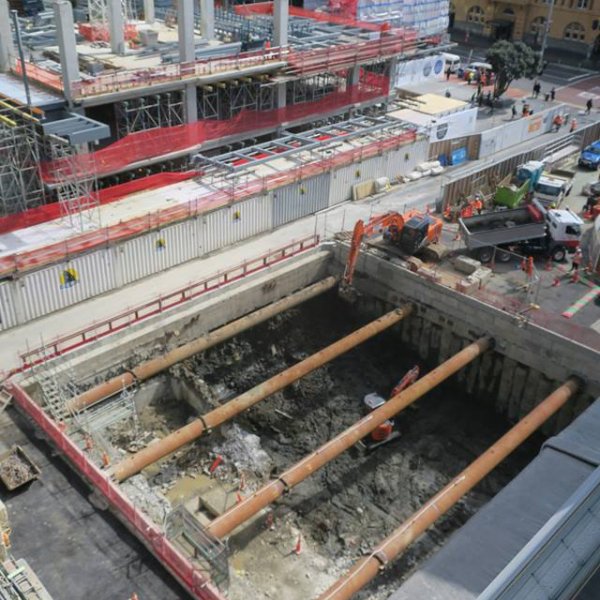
{"points": [[530, 179], [531, 229]]}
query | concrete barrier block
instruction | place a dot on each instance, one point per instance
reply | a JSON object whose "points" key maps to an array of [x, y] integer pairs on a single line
{"points": [[414, 263], [466, 265]]}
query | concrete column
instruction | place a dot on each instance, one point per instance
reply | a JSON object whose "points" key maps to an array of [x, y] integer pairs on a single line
{"points": [[116, 26], [67, 45], [7, 47], [280, 92], [207, 19], [185, 30], [149, 11], [354, 76], [281, 17], [191, 103], [187, 54]]}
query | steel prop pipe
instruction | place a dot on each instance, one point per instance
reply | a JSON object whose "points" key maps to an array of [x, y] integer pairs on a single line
{"points": [[188, 433], [160, 363], [368, 567], [248, 507]]}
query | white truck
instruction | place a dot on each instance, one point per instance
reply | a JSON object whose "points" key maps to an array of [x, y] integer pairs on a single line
{"points": [[552, 188], [530, 229]]}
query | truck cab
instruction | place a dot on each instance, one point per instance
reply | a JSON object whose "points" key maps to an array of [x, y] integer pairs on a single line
{"points": [[564, 226], [552, 189]]}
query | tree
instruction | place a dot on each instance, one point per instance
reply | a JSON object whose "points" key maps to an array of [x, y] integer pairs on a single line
{"points": [[510, 61]]}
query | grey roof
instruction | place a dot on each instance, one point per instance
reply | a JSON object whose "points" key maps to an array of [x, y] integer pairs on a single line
{"points": [[479, 551]]}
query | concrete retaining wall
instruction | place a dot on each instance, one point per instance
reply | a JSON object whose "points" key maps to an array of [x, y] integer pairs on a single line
{"points": [[181, 325], [527, 363]]}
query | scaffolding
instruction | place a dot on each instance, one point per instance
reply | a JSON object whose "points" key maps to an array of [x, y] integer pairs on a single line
{"points": [[76, 188], [149, 112], [21, 185]]}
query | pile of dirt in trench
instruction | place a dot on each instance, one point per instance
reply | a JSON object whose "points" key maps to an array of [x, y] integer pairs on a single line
{"points": [[359, 498]]}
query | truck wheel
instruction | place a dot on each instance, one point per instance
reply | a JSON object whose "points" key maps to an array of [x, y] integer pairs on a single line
{"points": [[503, 256], [485, 255], [558, 254]]}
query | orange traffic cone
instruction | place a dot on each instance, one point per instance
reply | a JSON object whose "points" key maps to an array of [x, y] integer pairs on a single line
{"points": [[298, 548]]}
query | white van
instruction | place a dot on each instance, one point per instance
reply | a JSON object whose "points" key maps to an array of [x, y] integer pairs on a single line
{"points": [[451, 61]]}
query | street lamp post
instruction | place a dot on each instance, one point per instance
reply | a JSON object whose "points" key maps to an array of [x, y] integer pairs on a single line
{"points": [[547, 26]]}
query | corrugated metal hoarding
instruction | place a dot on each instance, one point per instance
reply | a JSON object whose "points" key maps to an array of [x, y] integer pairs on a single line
{"points": [[8, 316], [300, 199], [237, 222], [157, 251], [61, 285]]}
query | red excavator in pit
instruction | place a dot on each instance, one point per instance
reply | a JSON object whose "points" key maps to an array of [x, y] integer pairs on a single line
{"points": [[410, 232]]}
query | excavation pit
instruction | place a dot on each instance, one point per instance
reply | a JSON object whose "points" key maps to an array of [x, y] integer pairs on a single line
{"points": [[343, 510]]}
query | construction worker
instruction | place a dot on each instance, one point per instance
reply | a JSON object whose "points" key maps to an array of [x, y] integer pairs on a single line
{"points": [[573, 125], [576, 260], [557, 122], [478, 204]]}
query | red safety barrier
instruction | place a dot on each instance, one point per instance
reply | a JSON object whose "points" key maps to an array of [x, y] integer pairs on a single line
{"points": [[19, 262], [145, 145], [49, 212], [146, 530], [162, 303]]}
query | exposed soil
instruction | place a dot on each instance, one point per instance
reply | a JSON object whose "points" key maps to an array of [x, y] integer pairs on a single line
{"points": [[355, 501]]}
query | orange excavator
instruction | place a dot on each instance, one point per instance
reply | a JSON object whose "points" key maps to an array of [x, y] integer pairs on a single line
{"points": [[410, 232], [386, 432]]}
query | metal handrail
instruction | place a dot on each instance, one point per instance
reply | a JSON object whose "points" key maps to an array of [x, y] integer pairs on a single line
{"points": [[96, 331]]}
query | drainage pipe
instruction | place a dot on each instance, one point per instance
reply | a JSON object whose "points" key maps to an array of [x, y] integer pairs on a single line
{"points": [[368, 567], [248, 507], [188, 433], [160, 363]]}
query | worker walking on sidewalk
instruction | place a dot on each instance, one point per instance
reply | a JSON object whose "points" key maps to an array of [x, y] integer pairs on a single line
{"points": [[576, 260]]}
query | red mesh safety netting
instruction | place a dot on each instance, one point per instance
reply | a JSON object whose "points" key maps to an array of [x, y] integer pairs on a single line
{"points": [[48, 212], [145, 145]]}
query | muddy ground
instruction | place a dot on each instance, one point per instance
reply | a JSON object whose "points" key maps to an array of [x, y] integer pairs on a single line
{"points": [[358, 499]]}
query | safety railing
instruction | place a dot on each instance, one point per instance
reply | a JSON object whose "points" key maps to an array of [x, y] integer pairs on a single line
{"points": [[20, 262], [162, 303], [147, 531], [301, 62], [134, 78]]}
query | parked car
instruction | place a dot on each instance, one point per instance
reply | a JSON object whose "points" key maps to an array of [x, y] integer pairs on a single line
{"points": [[477, 68], [590, 156]]}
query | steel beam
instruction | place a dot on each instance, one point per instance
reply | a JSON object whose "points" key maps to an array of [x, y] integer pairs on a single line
{"points": [[251, 505], [192, 431], [161, 363], [368, 567]]}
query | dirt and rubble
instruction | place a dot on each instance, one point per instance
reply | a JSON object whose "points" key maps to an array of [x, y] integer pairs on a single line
{"points": [[358, 499]]}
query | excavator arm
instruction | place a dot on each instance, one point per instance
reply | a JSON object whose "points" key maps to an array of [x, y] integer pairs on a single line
{"points": [[376, 225]]}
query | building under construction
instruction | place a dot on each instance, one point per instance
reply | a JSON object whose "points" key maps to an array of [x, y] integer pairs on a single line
{"points": [[272, 406]]}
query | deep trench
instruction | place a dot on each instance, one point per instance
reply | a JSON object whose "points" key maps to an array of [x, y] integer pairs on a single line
{"points": [[359, 498]]}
